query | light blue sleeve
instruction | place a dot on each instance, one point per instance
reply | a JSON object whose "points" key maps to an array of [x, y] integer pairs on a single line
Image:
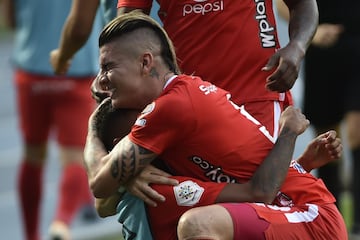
{"points": [[132, 215]]}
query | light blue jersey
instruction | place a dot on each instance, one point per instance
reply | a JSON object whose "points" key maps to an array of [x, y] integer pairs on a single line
{"points": [[132, 215], [38, 31], [109, 8]]}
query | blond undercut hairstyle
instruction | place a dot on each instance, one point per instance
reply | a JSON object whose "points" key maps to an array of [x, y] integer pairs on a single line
{"points": [[132, 21]]}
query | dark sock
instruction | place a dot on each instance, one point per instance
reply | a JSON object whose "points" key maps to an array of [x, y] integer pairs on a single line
{"points": [[30, 193], [330, 174], [74, 193]]}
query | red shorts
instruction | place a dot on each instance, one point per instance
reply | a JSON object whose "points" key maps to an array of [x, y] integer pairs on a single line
{"points": [[250, 220], [47, 103], [308, 221]]}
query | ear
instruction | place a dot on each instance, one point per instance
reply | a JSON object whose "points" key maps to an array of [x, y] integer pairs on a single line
{"points": [[147, 63]]}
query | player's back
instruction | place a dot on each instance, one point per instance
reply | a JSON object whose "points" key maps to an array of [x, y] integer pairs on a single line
{"points": [[204, 134], [224, 42], [38, 29]]}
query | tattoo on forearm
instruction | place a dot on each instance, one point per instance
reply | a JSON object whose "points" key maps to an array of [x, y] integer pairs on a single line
{"points": [[132, 160]]}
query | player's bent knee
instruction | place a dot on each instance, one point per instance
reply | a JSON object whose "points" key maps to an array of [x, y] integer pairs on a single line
{"points": [[209, 222]]}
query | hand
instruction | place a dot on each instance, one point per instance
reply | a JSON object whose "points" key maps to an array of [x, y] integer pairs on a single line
{"points": [[106, 207], [140, 186], [59, 65], [327, 35], [97, 118], [323, 149], [97, 93], [292, 119], [288, 61]]}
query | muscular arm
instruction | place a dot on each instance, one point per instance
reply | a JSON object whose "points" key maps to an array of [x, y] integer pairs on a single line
{"points": [[123, 163], [108, 171], [268, 178], [75, 33], [8, 11], [303, 21]]}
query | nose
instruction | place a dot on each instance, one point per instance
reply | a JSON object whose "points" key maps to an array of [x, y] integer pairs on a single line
{"points": [[102, 81], [99, 88]]}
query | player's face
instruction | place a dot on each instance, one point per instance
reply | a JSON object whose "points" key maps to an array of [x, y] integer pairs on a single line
{"points": [[121, 75]]}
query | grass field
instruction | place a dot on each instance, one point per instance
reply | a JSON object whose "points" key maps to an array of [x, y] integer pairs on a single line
{"points": [[346, 208]]}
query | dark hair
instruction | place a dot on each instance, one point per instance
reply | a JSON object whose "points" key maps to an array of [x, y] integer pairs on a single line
{"points": [[134, 20]]}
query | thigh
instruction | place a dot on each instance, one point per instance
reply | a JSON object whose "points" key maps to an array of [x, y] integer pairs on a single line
{"points": [[208, 222], [74, 106], [33, 107], [245, 221]]}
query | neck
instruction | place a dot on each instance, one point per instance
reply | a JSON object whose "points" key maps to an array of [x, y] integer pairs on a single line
{"points": [[168, 75]]}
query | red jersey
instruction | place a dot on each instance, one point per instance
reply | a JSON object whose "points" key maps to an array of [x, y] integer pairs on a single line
{"points": [[226, 42], [198, 132]]}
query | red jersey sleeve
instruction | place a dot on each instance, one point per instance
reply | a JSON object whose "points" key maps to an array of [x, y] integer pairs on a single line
{"points": [[134, 3]]}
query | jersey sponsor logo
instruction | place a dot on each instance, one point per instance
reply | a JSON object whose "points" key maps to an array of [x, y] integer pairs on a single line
{"points": [[213, 173], [266, 31], [188, 193], [203, 7], [208, 89]]}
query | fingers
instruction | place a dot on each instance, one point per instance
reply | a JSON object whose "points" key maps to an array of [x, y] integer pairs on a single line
{"points": [[273, 61], [148, 195], [282, 79], [165, 180], [335, 151], [334, 147], [59, 67], [331, 143], [152, 174], [292, 119], [142, 190], [140, 186], [287, 61], [157, 171]]}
